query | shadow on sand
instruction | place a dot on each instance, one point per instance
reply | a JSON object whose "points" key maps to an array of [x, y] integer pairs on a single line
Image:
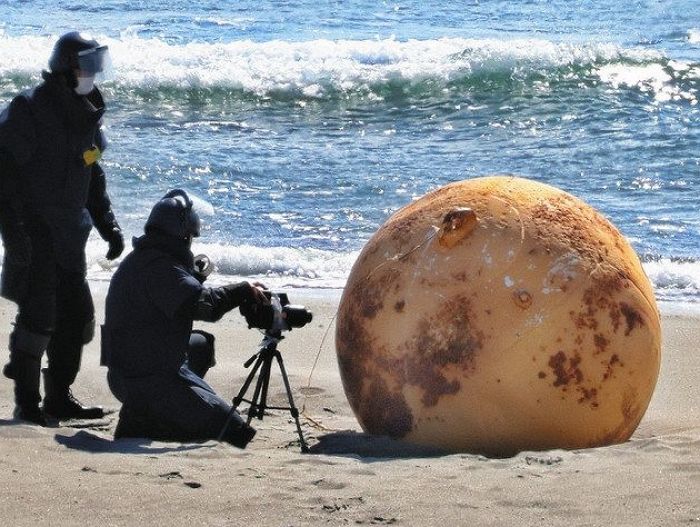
{"points": [[89, 442], [346, 443], [369, 447]]}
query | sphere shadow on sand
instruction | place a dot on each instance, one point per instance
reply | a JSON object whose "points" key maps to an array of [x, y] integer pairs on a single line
{"points": [[369, 447]]}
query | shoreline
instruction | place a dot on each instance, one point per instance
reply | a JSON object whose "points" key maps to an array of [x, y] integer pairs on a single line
{"points": [[301, 293]]}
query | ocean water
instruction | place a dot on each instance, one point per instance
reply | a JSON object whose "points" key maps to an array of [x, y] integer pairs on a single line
{"points": [[302, 126]]}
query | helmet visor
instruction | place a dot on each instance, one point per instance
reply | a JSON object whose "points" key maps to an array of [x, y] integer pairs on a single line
{"points": [[93, 60]]}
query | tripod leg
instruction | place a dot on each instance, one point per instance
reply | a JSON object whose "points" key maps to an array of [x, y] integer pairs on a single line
{"points": [[238, 398], [293, 409], [263, 385]]}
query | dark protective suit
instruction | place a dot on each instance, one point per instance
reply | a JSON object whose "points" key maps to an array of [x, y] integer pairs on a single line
{"points": [[52, 192], [155, 362]]}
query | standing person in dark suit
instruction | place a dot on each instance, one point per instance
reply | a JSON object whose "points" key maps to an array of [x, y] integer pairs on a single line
{"points": [[52, 192]]}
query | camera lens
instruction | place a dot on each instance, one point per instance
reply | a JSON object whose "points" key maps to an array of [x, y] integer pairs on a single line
{"points": [[296, 316]]}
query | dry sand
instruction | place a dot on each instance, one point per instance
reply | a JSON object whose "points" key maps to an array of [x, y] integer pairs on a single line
{"points": [[79, 476]]}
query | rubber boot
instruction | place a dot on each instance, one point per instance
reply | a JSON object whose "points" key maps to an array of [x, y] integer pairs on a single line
{"points": [[24, 370], [60, 403], [236, 431], [239, 436]]}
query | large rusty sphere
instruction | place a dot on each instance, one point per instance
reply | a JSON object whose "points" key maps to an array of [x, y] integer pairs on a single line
{"points": [[496, 315]]}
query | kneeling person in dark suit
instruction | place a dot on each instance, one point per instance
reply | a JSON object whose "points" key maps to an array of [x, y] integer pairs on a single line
{"points": [[156, 361]]}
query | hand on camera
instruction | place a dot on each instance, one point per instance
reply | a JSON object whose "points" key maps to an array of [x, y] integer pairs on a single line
{"points": [[255, 306]]}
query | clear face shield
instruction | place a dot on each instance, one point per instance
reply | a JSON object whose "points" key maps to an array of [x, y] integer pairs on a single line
{"points": [[96, 62]]}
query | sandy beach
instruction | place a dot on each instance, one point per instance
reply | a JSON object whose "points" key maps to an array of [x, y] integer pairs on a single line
{"points": [[78, 475]]}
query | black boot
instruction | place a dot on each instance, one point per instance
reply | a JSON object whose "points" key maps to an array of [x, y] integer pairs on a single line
{"points": [[241, 436], [31, 414], [236, 431], [60, 403], [24, 370]]}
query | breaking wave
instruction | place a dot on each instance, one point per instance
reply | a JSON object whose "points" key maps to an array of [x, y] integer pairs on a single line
{"points": [[674, 280], [377, 69]]}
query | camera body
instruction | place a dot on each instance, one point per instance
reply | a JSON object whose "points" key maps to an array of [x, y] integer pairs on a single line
{"points": [[286, 315], [279, 316]]}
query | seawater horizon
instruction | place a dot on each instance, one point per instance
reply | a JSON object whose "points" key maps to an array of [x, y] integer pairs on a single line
{"points": [[302, 129]]}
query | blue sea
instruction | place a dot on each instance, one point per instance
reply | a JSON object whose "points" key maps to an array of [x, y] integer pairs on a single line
{"points": [[301, 126]]}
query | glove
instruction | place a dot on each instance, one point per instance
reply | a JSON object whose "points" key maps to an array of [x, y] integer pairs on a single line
{"points": [[15, 275], [251, 293], [255, 306], [116, 243], [258, 315], [14, 279]]}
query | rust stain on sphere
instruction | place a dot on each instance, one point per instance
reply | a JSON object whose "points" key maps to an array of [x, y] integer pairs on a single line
{"points": [[496, 315]]}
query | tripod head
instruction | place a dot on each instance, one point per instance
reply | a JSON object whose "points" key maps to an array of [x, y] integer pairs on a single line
{"points": [[268, 344]]}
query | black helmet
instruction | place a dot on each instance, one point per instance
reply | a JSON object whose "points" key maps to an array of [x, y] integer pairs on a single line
{"points": [[76, 52], [174, 215]]}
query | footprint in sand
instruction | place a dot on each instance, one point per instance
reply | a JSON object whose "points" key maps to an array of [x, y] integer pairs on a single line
{"points": [[311, 390]]}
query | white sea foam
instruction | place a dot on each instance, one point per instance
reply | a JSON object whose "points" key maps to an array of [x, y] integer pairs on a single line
{"points": [[673, 281], [274, 266], [657, 79], [311, 68], [694, 36]]}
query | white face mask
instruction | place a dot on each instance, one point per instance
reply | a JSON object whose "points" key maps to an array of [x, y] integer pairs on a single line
{"points": [[85, 85]]}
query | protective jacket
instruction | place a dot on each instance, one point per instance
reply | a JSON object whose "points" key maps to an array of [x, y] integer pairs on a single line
{"points": [[153, 299], [50, 142], [147, 343]]}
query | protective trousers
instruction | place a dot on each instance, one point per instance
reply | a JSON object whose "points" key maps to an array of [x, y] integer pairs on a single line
{"points": [[179, 406], [56, 314], [200, 357]]}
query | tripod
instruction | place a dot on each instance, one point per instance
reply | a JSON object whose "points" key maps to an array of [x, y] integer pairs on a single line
{"points": [[263, 365]]}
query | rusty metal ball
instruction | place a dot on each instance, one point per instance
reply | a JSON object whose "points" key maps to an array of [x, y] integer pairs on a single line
{"points": [[496, 315]]}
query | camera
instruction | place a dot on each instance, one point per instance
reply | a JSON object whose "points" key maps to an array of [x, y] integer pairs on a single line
{"points": [[279, 316]]}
